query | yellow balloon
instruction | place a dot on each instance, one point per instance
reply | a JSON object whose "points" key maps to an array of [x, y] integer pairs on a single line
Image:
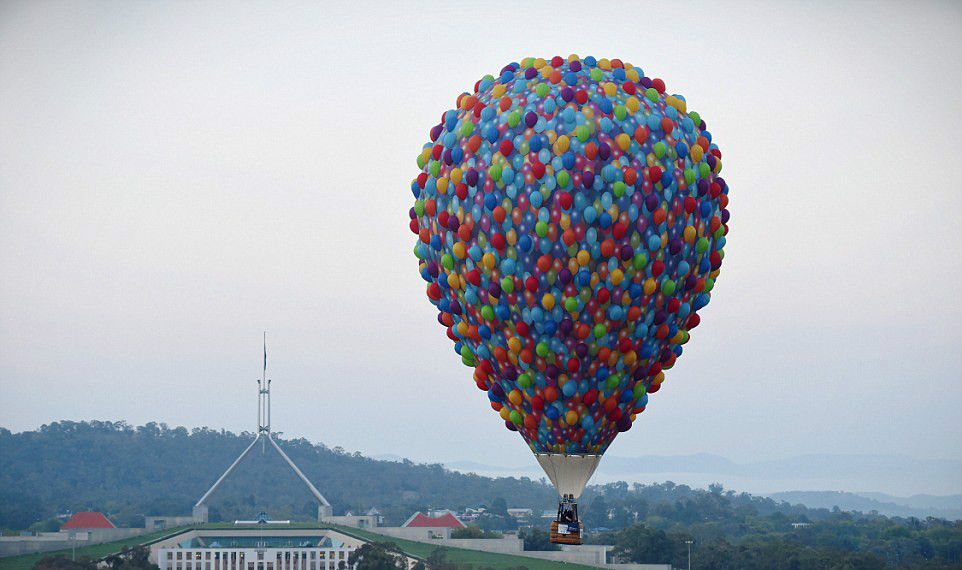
{"points": [[650, 285], [561, 145], [488, 260], [548, 301], [616, 277], [696, 153], [583, 258], [623, 141]]}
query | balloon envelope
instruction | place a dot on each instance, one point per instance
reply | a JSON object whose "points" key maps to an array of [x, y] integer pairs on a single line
{"points": [[570, 219]]}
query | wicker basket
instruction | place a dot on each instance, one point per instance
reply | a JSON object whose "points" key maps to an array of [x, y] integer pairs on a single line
{"points": [[569, 537]]}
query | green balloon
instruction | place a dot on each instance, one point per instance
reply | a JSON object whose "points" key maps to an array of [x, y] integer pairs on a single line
{"points": [[541, 228], [582, 133], [612, 382], [524, 381]]}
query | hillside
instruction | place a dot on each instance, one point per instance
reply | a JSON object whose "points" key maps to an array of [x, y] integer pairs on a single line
{"points": [[155, 469], [920, 506], [129, 472]]}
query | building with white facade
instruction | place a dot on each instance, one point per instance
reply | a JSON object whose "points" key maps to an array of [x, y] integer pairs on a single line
{"points": [[255, 549]]}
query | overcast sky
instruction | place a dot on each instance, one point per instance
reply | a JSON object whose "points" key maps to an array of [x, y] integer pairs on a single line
{"points": [[176, 177]]}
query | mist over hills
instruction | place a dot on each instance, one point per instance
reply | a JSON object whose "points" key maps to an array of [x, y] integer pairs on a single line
{"points": [[157, 470], [129, 472], [919, 506], [154, 469], [885, 478]]}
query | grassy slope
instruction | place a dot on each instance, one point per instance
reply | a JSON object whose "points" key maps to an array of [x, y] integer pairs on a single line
{"points": [[476, 558], [26, 561]]}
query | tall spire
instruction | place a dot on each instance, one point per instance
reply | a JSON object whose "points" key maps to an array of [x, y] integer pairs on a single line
{"points": [[264, 436], [264, 397]]}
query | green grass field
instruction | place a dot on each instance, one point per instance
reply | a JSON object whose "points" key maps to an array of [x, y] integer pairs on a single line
{"points": [[475, 558], [26, 561]]}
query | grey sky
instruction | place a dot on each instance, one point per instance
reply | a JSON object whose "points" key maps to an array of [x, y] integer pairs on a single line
{"points": [[176, 177]]}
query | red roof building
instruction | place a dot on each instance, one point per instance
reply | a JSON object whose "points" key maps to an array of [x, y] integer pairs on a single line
{"points": [[87, 520], [446, 520]]}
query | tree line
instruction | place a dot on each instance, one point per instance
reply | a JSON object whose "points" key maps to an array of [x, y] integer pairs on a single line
{"points": [[129, 472]]}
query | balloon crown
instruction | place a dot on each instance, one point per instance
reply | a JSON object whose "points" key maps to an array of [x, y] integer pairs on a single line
{"points": [[571, 222]]}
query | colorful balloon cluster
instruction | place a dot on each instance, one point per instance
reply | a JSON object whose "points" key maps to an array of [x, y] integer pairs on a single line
{"points": [[570, 220]]}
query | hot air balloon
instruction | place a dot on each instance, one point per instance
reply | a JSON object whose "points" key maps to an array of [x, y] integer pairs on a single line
{"points": [[570, 223]]}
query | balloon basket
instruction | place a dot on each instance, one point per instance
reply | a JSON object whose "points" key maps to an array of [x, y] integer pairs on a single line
{"points": [[566, 529], [562, 533]]}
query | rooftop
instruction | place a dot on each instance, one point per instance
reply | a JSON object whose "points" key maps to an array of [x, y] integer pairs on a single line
{"points": [[87, 520]]}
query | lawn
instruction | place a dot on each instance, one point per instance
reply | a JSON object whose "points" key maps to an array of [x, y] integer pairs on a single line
{"points": [[475, 558], [26, 561]]}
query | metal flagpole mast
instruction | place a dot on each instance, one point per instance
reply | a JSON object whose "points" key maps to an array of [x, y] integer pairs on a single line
{"points": [[324, 508], [264, 402], [268, 380]]}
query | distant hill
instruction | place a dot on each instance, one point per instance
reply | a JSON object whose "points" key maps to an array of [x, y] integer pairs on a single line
{"points": [[157, 470], [814, 472], [154, 469], [919, 506]]}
